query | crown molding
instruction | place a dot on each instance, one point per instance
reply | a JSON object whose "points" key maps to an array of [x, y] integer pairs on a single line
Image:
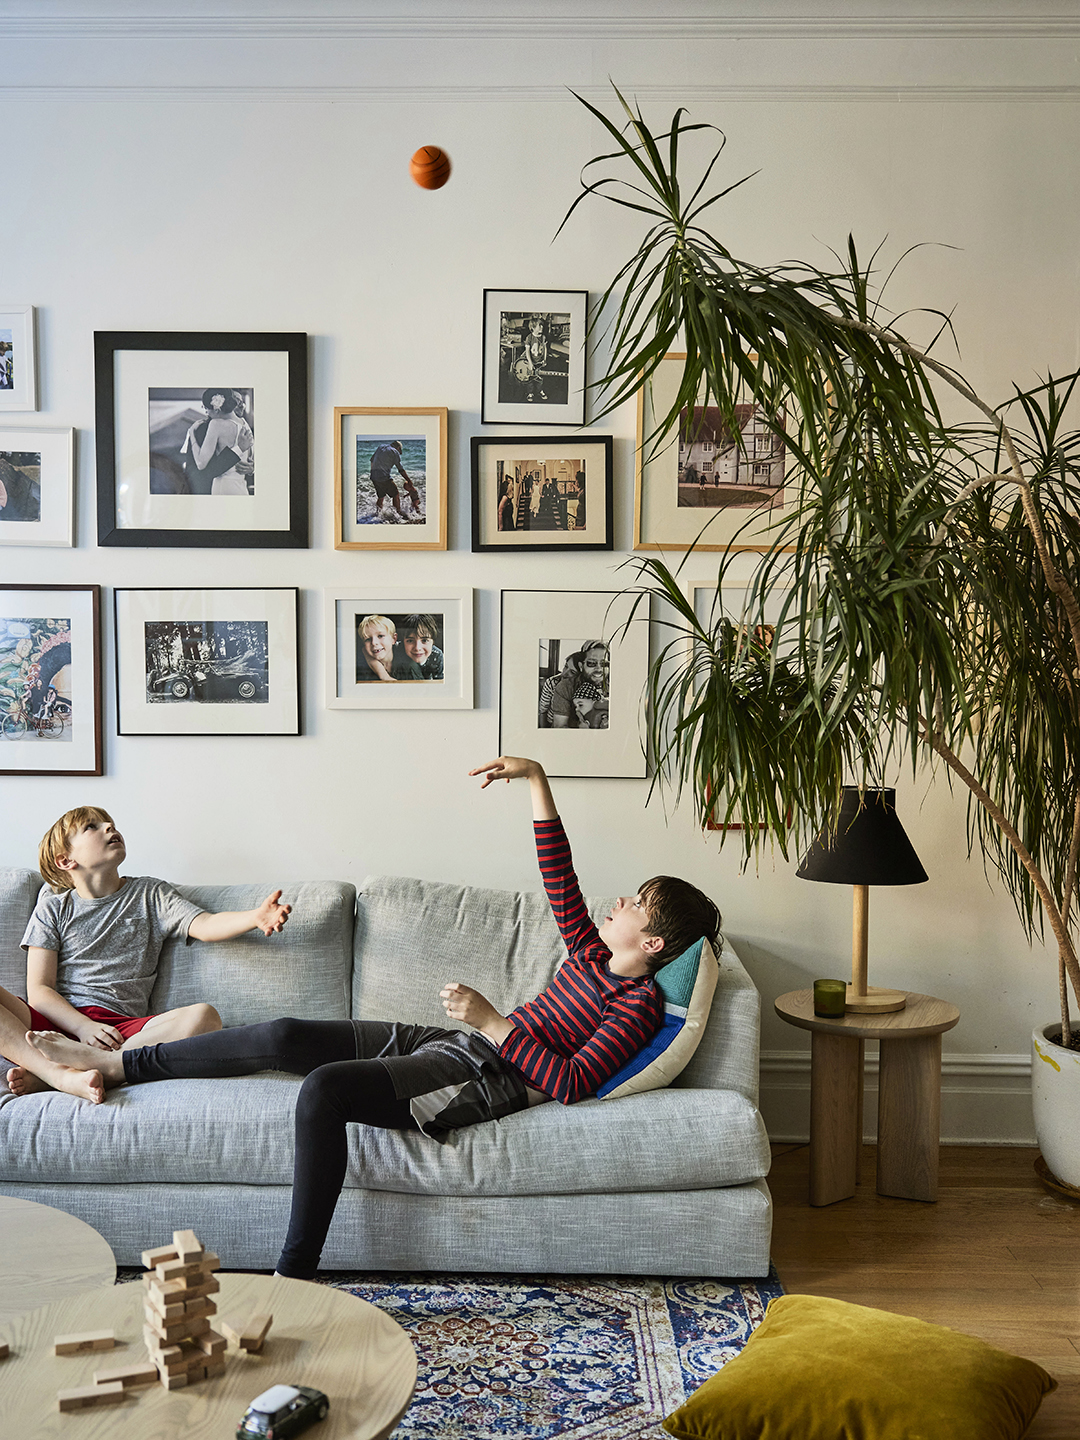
{"points": [[188, 26]]}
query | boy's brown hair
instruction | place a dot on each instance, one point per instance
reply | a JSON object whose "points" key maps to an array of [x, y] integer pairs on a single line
{"points": [[679, 913], [56, 840]]}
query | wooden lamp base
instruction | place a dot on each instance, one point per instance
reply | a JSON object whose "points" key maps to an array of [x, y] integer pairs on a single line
{"points": [[876, 1001]]}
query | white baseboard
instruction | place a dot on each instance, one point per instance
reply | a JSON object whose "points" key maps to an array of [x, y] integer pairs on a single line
{"points": [[985, 1099]]}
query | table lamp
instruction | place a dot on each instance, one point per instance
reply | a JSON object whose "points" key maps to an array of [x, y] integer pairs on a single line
{"points": [[867, 846]]}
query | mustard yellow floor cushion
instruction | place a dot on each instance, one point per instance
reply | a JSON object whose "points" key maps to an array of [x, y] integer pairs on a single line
{"points": [[819, 1369]]}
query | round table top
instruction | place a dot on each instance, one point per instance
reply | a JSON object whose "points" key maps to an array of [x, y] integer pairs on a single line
{"points": [[922, 1015], [48, 1254], [357, 1355]]}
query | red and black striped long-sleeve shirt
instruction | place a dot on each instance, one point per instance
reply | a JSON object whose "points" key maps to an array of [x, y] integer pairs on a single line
{"points": [[588, 1022]]}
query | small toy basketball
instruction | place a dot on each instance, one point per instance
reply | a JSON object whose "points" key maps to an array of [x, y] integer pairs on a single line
{"points": [[430, 167]]}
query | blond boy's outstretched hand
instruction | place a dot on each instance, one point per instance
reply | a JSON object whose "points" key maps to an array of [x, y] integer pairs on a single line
{"points": [[271, 915], [514, 767]]}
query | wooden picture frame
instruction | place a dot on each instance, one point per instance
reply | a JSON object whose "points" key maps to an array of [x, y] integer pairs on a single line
{"points": [[534, 357], [184, 463], [673, 513], [37, 484], [50, 680], [18, 358], [398, 502], [540, 492], [201, 661]]}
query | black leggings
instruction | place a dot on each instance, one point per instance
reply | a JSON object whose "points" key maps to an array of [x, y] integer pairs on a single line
{"points": [[339, 1088]]}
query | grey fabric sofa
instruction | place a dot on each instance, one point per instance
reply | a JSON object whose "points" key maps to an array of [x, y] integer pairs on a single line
{"points": [[666, 1183]]}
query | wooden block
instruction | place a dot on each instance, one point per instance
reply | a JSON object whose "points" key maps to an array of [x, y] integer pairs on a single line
{"points": [[159, 1349], [211, 1343], [161, 1305], [86, 1340], [151, 1258], [215, 1365], [84, 1396], [170, 1331], [4, 1351], [181, 1270], [255, 1332], [130, 1376], [171, 1315], [174, 1382], [188, 1245]]}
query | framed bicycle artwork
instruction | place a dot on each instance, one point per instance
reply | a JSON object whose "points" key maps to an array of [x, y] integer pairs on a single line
{"points": [[50, 680]]}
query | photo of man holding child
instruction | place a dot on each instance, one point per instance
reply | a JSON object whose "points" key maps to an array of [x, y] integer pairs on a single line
{"points": [[392, 648], [574, 685]]}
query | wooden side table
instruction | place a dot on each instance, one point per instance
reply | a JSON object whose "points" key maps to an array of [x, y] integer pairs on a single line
{"points": [[909, 1095], [48, 1255]]}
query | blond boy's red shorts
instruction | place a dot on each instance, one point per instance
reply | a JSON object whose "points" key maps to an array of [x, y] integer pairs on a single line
{"points": [[127, 1025]]}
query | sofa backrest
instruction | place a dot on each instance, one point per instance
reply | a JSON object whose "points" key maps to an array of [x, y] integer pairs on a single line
{"points": [[412, 936], [304, 970], [18, 894]]}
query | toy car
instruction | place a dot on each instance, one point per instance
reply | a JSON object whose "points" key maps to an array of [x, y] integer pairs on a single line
{"points": [[281, 1411]]}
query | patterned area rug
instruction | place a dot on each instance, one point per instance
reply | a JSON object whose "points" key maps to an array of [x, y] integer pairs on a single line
{"points": [[520, 1358]]}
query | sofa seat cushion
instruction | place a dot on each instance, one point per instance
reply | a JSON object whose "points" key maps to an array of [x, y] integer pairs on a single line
{"points": [[305, 970], [240, 1131]]}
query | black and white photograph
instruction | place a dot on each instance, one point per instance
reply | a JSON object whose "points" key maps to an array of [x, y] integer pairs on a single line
{"points": [[572, 676], [18, 358], [706, 488], [574, 679], [37, 469], [50, 680], [532, 492], [720, 470], [399, 649], [177, 418], [207, 662], [392, 479], [202, 442], [534, 357]]}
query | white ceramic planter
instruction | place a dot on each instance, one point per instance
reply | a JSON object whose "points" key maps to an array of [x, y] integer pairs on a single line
{"points": [[1055, 1102]]}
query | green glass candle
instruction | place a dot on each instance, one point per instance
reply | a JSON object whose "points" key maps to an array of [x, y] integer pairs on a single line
{"points": [[830, 997]]}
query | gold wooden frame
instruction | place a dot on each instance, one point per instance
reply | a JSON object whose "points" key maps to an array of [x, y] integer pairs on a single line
{"points": [[438, 503]]}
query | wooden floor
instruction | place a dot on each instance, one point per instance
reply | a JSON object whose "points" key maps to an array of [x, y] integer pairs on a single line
{"points": [[997, 1256]]}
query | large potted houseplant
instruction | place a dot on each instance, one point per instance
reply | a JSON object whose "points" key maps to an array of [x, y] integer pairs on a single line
{"points": [[929, 567]]}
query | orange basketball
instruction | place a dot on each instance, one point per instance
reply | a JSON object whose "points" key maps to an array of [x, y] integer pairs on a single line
{"points": [[430, 167]]}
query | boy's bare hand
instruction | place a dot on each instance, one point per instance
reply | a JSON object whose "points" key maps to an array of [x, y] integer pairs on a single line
{"points": [[506, 767], [98, 1034], [463, 1003], [270, 916]]}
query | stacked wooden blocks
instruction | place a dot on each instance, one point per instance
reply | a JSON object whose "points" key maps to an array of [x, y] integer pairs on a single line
{"points": [[178, 1309]]}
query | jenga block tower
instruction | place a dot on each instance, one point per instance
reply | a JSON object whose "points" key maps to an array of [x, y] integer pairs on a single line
{"points": [[178, 1308]]}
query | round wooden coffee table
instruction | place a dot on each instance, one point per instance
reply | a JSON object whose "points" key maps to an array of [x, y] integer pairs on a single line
{"points": [[48, 1255], [327, 1338]]}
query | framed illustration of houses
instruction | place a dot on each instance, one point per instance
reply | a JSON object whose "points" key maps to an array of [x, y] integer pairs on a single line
{"points": [[705, 487]]}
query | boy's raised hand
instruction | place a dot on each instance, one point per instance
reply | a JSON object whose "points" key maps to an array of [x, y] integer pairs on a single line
{"points": [[271, 916], [462, 1002], [506, 767]]}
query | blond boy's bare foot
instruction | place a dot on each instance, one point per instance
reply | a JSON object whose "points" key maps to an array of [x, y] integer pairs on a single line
{"points": [[20, 1081], [71, 1057]]}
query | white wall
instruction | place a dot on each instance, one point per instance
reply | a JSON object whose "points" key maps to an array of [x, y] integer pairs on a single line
{"points": [[252, 173]]}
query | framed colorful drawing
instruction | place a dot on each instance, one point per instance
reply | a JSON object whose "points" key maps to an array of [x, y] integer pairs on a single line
{"points": [[18, 358], [705, 488], [390, 649], [572, 681], [50, 680], [534, 357], [391, 479], [532, 492], [207, 662], [201, 439], [37, 469]]}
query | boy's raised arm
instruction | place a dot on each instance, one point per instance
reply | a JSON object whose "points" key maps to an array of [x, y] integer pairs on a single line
{"points": [[512, 767], [269, 917]]}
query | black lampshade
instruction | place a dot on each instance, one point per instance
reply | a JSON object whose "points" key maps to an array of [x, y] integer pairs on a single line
{"points": [[867, 847]]}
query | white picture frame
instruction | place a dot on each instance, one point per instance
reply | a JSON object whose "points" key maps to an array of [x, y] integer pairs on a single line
{"points": [[207, 661], [41, 499], [451, 609], [542, 632], [18, 358]]}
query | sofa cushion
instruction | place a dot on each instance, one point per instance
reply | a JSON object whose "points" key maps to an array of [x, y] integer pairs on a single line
{"points": [[304, 970], [18, 894], [687, 985], [240, 1131]]}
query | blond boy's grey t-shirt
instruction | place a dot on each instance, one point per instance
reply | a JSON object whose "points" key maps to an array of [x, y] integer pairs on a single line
{"points": [[108, 949]]}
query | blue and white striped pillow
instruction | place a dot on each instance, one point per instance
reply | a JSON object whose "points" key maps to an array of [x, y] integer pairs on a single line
{"points": [[687, 986]]}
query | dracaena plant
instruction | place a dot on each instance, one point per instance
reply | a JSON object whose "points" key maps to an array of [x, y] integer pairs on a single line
{"points": [[927, 566]]}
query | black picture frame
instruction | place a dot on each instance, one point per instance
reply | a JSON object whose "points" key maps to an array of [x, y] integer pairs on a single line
{"points": [[118, 424], [515, 391], [579, 511]]}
